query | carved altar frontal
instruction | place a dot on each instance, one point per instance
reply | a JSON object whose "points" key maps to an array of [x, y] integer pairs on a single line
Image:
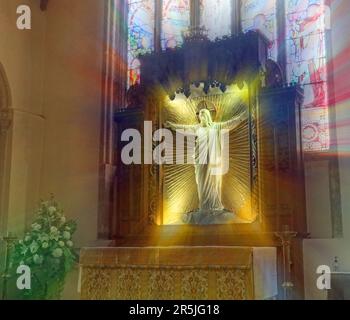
{"points": [[176, 273]]}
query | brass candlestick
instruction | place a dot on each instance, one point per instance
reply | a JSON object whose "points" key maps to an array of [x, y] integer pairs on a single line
{"points": [[285, 238], [9, 240]]}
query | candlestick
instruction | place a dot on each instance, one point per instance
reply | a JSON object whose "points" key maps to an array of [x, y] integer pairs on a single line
{"points": [[9, 240], [286, 237]]}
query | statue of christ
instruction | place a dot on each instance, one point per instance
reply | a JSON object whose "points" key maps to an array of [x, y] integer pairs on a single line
{"points": [[208, 162]]}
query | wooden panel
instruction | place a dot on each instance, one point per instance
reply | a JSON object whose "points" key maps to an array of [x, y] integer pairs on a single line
{"points": [[282, 186], [281, 191], [129, 203]]}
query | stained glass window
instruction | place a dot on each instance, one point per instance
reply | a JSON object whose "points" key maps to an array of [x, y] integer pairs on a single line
{"points": [[306, 22], [216, 17], [141, 24], [261, 15], [315, 123], [175, 20]]}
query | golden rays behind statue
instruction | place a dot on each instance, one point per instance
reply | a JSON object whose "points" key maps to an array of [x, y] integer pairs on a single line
{"points": [[196, 192]]}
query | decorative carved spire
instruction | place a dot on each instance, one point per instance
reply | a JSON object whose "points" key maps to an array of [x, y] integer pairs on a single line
{"points": [[195, 34]]}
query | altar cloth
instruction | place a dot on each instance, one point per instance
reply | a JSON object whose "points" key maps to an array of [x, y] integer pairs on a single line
{"points": [[181, 273]]}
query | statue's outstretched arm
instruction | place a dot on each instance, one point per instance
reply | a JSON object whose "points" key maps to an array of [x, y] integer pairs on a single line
{"points": [[174, 126], [234, 122]]}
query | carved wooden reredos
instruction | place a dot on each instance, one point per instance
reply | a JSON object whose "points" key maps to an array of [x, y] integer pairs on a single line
{"points": [[213, 66]]}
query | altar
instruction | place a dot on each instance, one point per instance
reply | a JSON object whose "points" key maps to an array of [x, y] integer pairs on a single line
{"points": [[158, 247], [179, 273]]}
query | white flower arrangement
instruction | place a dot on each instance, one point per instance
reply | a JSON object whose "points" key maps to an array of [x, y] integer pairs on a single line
{"points": [[47, 248]]}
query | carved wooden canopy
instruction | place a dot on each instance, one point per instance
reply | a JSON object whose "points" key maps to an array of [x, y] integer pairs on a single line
{"points": [[233, 59]]}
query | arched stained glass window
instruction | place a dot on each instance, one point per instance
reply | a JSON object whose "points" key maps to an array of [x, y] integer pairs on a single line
{"points": [[175, 20], [141, 24], [216, 17], [261, 15], [306, 22]]}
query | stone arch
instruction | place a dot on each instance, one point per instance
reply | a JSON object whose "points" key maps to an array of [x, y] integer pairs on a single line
{"points": [[5, 93], [6, 114], [6, 117]]}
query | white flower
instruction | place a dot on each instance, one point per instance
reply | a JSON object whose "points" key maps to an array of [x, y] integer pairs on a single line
{"points": [[67, 228], [52, 210], [69, 243], [57, 253], [44, 238], [36, 226], [27, 238], [45, 245], [38, 259], [63, 219], [66, 235], [54, 236], [24, 250], [53, 230], [34, 247], [61, 243], [20, 241]]}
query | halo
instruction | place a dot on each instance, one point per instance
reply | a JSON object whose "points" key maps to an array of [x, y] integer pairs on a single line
{"points": [[209, 105]]}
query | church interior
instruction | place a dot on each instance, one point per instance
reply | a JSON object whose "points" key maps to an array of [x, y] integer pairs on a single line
{"points": [[87, 84]]}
